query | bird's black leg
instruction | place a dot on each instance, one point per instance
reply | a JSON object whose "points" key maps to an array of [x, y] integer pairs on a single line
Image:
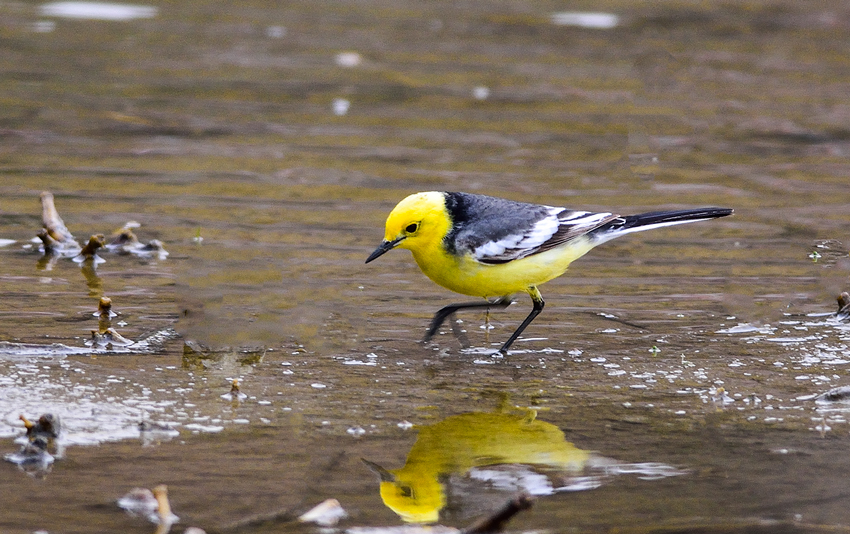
{"points": [[443, 313], [537, 300]]}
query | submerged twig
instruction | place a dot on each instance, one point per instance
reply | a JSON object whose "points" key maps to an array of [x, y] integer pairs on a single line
{"points": [[55, 236], [160, 493], [104, 314], [53, 223], [497, 521], [50, 244], [614, 318], [95, 242]]}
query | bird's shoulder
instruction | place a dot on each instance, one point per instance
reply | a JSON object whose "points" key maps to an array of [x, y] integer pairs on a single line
{"points": [[496, 230]]}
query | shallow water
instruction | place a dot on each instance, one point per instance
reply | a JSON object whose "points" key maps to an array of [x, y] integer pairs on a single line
{"points": [[683, 361]]}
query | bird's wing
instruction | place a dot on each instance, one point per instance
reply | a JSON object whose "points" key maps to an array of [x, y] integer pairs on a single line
{"points": [[552, 228]]}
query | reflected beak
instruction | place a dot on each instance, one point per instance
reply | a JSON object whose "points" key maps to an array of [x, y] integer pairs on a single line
{"points": [[383, 248], [382, 473]]}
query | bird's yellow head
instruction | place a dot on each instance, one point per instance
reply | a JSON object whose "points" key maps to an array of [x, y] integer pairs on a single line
{"points": [[418, 222]]}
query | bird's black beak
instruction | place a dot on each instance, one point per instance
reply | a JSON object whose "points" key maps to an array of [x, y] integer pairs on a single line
{"points": [[383, 248]]}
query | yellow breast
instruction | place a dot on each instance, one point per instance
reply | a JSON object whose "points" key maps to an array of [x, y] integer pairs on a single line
{"points": [[465, 275]]}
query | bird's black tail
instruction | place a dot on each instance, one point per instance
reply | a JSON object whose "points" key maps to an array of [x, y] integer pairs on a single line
{"points": [[655, 219]]}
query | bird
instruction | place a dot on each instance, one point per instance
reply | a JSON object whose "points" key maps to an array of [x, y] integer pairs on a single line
{"points": [[492, 247], [436, 475]]}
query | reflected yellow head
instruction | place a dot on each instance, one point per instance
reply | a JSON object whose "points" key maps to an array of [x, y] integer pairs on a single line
{"points": [[412, 492], [414, 499]]}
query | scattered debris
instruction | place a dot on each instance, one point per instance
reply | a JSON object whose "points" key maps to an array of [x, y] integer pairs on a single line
{"points": [[126, 242], [53, 247], [33, 457], [58, 242], [124, 236], [839, 394], [153, 248], [150, 343], [326, 514], [140, 502], [147, 426], [108, 339], [89, 252], [153, 433], [843, 313], [48, 427], [234, 394], [104, 315], [164, 509], [104, 309], [106, 336], [54, 226], [720, 398], [153, 505]]}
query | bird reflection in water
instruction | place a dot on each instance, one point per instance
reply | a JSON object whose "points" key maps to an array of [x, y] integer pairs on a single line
{"points": [[466, 464]]}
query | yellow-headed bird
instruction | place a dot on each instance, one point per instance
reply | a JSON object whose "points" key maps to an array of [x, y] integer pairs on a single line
{"points": [[492, 247]]}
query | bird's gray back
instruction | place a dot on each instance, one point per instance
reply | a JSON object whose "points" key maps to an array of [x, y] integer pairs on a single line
{"points": [[478, 219]]}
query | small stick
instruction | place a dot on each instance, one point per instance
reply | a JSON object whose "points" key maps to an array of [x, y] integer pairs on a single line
{"points": [[497, 521]]}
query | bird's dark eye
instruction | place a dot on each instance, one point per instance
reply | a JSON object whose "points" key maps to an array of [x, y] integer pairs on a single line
{"points": [[411, 228], [406, 491]]}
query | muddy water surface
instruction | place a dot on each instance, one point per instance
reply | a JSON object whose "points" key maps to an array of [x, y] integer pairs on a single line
{"points": [[669, 385]]}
